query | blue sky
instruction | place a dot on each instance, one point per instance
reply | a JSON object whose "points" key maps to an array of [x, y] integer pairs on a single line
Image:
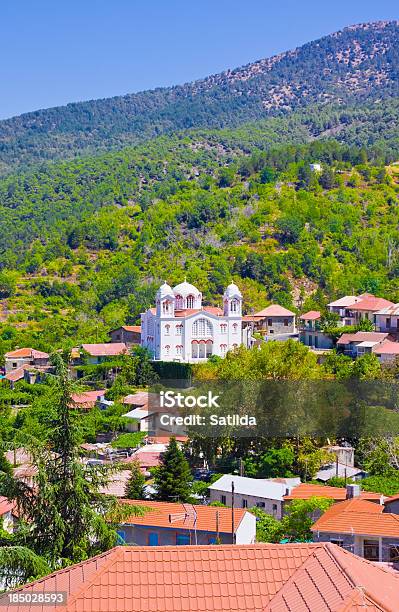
{"points": [[60, 51]]}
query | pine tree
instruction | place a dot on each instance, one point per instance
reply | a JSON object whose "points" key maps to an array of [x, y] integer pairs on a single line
{"points": [[135, 485], [64, 510], [173, 477]]}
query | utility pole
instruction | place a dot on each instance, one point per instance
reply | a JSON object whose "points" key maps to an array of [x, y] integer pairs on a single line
{"points": [[233, 535]]}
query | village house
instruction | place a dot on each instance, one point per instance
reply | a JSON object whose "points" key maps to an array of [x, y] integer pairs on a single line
{"points": [[310, 332], [267, 494], [362, 527], [320, 577], [306, 490], [129, 334], [387, 351], [95, 354], [360, 343], [273, 322], [27, 364], [87, 399], [181, 329], [171, 524], [351, 309], [387, 319]]}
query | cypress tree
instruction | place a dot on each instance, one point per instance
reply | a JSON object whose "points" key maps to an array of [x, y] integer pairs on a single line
{"points": [[135, 485], [173, 477]]}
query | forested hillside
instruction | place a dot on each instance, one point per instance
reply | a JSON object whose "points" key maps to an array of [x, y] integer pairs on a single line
{"points": [[86, 243], [356, 65]]}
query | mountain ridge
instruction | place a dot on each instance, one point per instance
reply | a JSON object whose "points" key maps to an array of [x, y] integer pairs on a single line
{"points": [[356, 64]]}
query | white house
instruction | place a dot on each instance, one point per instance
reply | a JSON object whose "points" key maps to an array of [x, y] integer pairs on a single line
{"points": [[180, 328], [267, 494]]}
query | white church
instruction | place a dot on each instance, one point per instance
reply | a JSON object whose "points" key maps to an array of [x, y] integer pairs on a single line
{"points": [[179, 328]]}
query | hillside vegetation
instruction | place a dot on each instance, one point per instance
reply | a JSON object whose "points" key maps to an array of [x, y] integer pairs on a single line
{"points": [[87, 243], [356, 65]]}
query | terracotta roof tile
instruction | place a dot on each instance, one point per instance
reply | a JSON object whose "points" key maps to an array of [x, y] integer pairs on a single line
{"points": [[312, 315], [132, 328], [206, 516], [109, 349], [87, 398], [371, 303], [306, 490], [27, 353], [387, 348], [251, 578], [358, 516], [274, 310], [362, 337]]}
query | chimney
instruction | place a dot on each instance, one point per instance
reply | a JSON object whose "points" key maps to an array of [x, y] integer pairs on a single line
{"points": [[352, 490]]}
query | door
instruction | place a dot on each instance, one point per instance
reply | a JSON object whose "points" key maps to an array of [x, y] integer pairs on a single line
{"points": [[153, 539]]}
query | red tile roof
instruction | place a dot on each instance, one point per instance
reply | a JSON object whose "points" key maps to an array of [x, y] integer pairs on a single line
{"points": [[5, 506], [360, 517], [312, 315], [207, 516], [371, 303], [109, 349], [387, 348], [17, 374], [362, 337], [274, 310], [132, 328], [187, 312], [227, 578], [87, 398], [306, 490], [27, 353]]}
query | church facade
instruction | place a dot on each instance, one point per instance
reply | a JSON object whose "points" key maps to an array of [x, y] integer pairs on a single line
{"points": [[180, 328]]}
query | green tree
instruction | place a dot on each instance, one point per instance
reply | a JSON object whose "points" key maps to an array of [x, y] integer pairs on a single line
{"points": [[135, 485], [173, 477], [300, 516], [268, 528]]}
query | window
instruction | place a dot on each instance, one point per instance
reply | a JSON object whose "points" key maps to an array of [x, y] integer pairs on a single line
{"points": [[234, 306], [167, 329], [202, 328], [179, 349], [190, 301], [235, 328], [167, 349], [201, 349], [178, 302], [166, 307], [179, 329], [121, 536], [274, 508], [211, 540], [370, 550], [388, 323], [270, 322], [223, 328], [394, 553], [153, 539], [223, 349], [260, 504], [14, 364], [182, 539], [245, 503], [223, 499], [337, 542], [285, 322]]}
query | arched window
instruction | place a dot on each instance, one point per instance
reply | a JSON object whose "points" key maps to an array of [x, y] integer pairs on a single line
{"points": [[202, 328], [190, 301], [179, 349], [166, 307], [235, 328], [209, 348], [179, 302], [167, 329], [223, 328], [234, 306], [179, 329], [167, 349], [223, 349]]}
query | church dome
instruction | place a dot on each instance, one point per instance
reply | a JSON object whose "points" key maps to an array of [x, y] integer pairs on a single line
{"points": [[164, 289], [232, 290], [184, 289]]}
